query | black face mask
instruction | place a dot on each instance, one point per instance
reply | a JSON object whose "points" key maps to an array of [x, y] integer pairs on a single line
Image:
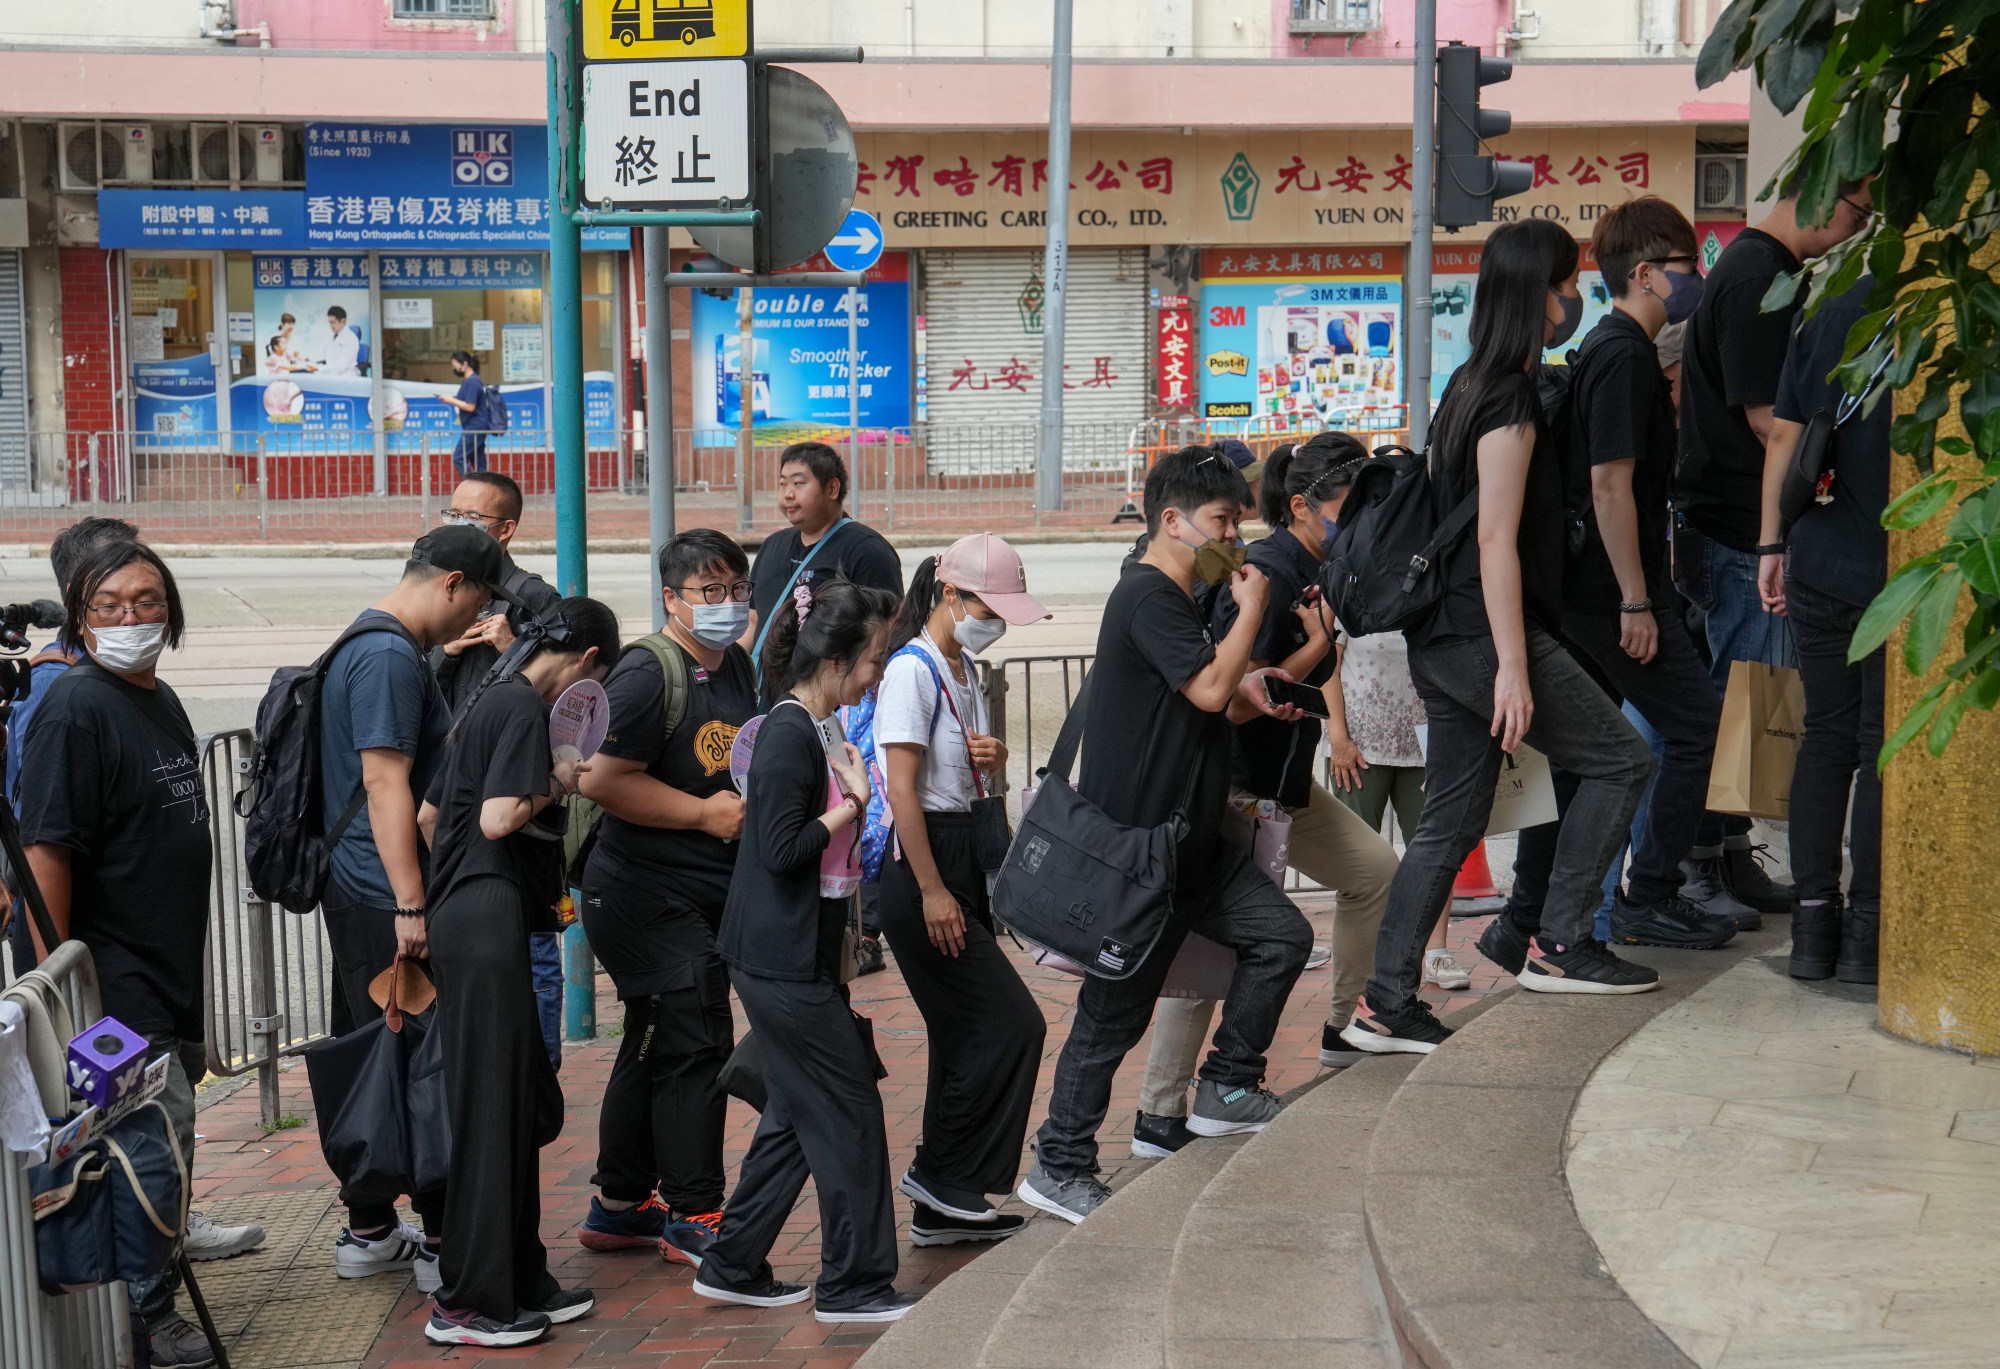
{"points": [[1572, 312]]}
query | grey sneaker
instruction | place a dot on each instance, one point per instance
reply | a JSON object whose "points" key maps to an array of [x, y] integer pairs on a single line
{"points": [[1707, 887], [181, 1346], [206, 1240], [1232, 1111], [1070, 1199], [1318, 956]]}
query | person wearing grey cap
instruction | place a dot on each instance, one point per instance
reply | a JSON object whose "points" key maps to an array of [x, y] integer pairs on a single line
{"points": [[383, 723]]}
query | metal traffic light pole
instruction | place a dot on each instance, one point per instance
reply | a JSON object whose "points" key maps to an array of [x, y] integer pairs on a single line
{"points": [[1423, 155]]}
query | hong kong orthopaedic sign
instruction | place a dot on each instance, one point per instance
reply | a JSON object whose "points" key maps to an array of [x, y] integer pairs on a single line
{"points": [[665, 134]]}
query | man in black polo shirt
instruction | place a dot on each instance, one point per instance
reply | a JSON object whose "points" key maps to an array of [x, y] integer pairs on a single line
{"points": [[1729, 379], [1839, 559], [1617, 603]]}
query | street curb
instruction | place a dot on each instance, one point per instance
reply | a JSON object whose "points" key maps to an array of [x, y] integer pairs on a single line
{"points": [[545, 546]]}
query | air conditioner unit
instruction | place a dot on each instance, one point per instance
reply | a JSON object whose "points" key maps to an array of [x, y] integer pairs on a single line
{"points": [[85, 153], [210, 146], [265, 164], [1719, 182], [136, 142]]}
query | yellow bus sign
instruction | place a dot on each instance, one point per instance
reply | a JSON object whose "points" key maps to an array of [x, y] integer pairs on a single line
{"points": [[665, 29]]}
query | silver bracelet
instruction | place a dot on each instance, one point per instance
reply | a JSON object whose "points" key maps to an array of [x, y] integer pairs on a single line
{"points": [[1643, 606]]}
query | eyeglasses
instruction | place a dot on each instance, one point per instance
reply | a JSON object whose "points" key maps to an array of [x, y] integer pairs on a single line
{"points": [[1662, 261], [715, 594], [145, 611], [467, 518]]}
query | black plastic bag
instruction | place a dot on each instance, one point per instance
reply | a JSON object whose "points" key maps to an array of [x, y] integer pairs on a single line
{"points": [[381, 1137]]}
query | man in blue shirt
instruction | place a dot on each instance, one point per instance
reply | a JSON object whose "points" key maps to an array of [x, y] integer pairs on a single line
{"points": [[383, 724], [469, 454]]}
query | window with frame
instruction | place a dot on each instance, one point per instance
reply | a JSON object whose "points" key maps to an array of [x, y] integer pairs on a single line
{"points": [[443, 9]]}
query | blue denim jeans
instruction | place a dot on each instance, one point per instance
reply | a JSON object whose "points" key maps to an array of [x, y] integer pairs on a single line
{"points": [[545, 963], [1722, 582], [1658, 746]]}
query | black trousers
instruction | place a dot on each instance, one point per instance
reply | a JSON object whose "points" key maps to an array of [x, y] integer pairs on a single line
{"points": [[664, 1110], [505, 1102], [985, 1029], [823, 1119], [363, 942], [1837, 755]]}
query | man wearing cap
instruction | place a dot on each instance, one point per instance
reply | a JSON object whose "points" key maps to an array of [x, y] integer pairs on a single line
{"points": [[383, 723]]}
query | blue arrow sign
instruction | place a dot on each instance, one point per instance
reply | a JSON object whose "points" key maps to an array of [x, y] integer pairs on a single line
{"points": [[858, 244]]}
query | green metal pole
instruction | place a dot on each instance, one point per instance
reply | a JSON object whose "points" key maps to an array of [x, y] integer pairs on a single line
{"points": [[564, 300]]}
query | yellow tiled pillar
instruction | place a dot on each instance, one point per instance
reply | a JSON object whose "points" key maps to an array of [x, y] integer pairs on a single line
{"points": [[1940, 841]]}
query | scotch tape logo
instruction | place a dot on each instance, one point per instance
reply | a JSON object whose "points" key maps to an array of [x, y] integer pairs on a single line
{"points": [[1033, 851]]}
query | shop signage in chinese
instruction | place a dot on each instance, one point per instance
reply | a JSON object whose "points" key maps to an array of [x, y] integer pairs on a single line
{"points": [[1330, 186], [427, 185], [199, 218], [432, 271], [1174, 343]]}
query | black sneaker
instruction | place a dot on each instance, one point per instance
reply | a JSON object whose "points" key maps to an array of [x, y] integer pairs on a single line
{"points": [[869, 959], [1155, 1138], [1586, 967], [448, 1327], [769, 1292], [1676, 923], [567, 1305], [891, 1306], [1705, 884], [1743, 867], [949, 1199], [1407, 1031], [1503, 944], [928, 1226], [1335, 1053]]}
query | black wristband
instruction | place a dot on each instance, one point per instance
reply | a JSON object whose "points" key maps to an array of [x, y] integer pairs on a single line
{"points": [[1770, 548], [409, 912]]}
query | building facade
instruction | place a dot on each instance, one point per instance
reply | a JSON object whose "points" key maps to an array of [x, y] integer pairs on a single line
{"points": [[265, 226]]}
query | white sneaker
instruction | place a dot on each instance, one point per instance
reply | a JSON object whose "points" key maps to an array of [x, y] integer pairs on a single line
{"points": [[208, 1241], [1318, 956], [1440, 969], [357, 1257], [430, 1275]]}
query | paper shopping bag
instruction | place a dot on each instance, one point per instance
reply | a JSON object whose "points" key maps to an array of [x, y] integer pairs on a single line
{"points": [[1524, 792], [1757, 744]]}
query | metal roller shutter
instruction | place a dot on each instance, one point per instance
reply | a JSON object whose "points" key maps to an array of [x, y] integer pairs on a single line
{"points": [[983, 314], [13, 377]]}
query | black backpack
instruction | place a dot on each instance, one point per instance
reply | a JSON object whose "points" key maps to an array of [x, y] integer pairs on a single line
{"points": [[285, 848], [1555, 386], [1382, 573]]}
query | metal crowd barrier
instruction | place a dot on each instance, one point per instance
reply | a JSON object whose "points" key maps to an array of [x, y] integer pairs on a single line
{"points": [[267, 972], [91, 1329]]}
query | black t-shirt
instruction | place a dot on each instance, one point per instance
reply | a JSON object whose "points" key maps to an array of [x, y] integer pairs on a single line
{"points": [[1839, 548], [458, 676], [854, 552], [1622, 406], [1462, 611], [1273, 759], [111, 772], [685, 866], [499, 749], [1142, 738], [1735, 353]]}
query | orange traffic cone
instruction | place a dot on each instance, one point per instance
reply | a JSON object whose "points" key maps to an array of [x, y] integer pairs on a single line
{"points": [[1472, 892]]}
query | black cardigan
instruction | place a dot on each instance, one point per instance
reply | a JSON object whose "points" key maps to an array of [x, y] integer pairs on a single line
{"points": [[775, 924]]}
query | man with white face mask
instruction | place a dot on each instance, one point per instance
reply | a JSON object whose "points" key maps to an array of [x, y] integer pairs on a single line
{"points": [[653, 888], [117, 834]]}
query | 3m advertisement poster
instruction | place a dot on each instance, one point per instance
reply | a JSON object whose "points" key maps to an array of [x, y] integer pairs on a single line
{"points": [[1312, 336], [799, 370], [1454, 273], [312, 341]]}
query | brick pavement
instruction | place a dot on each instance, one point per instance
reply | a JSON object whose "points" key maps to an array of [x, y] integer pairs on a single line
{"points": [[646, 1313]]}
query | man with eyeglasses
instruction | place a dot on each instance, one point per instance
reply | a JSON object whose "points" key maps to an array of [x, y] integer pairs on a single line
{"points": [[1729, 380], [653, 888], [491, 502]]}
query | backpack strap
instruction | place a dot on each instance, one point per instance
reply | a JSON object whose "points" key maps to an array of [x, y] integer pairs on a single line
{"points": [[764, 628], [384, 623], [1447, 535], [1063, 754], [673, 668]]}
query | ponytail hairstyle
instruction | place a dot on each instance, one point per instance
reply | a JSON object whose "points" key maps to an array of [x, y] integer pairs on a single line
{"points": [[572, 626], [926, 593], [1518, 267], [840, 618], [1318, 468]]}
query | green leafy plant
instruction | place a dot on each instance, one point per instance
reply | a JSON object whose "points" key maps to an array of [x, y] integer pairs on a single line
{"points": [[283, 1122], [1934, 308]]}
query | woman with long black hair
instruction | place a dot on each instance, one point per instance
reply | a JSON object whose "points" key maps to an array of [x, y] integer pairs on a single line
{"points": [[781, 936], [938, 758], [1488, 666], [496, 875]]}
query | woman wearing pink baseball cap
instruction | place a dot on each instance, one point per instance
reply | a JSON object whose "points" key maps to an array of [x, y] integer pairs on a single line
{"points": [[933, 747]]}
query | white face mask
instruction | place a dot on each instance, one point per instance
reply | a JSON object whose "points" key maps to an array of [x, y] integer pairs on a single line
{"points": [[717, 625], [131, 648], [976, 634]]}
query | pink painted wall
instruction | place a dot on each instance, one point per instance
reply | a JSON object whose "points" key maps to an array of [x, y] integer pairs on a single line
{"points": [[367, 25], [1473, 22]]}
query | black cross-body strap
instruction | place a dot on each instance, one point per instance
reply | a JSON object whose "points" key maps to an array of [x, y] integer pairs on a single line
{"points": [[1063, 755]]}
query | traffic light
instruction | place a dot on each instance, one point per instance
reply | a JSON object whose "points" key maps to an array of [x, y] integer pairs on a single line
{"points": [[1468, 181]]}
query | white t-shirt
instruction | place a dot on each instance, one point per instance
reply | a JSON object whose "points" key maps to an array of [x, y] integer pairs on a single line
{"points": [[908, 708]]}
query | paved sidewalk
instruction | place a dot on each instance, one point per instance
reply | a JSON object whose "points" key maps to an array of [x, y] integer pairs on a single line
{"points": [[284, 1309]]}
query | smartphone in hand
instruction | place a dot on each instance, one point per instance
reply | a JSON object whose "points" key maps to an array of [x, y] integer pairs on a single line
{"points": [[1303, 697]]}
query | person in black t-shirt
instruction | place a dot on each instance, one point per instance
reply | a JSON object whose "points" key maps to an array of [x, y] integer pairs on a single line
{"points": [[1489, 667], [653, 892], [116, 831], [1156, 740], [822, 540], [1330, 843], [496, 871], [1837, 565], [1729, 378], [1618, 604]]}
